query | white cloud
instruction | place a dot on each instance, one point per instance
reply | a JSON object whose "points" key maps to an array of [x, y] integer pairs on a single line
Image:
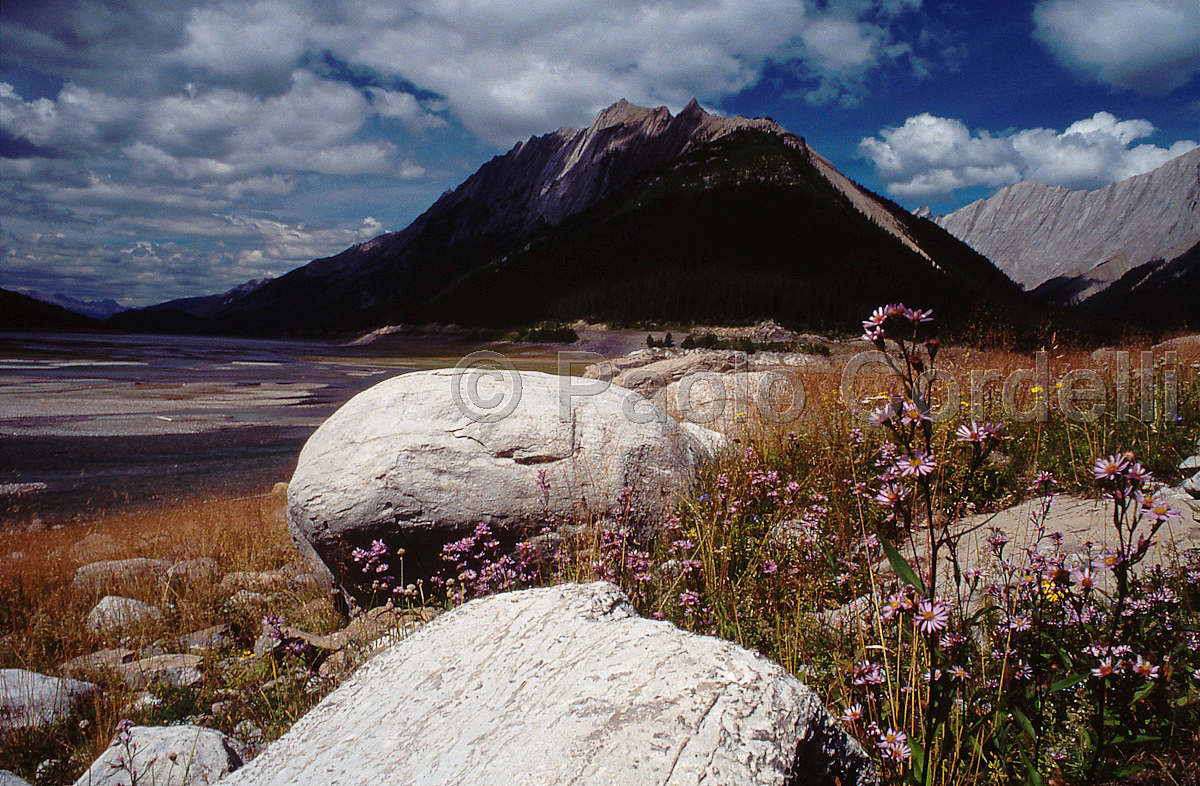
{"points": [[1151, 46], [931, 157], [175, 119]]}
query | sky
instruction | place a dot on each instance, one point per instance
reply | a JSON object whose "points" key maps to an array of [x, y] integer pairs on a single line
{"points": [[152, 149]]}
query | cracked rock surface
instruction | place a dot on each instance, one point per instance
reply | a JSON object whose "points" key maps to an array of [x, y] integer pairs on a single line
{"points": [[406, 463], [563, 685]]}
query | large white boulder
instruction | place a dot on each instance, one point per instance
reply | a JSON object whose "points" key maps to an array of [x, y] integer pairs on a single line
{"points": [[563, 684], [114, 614], [29, 700], [174, 755], [416, 462]]}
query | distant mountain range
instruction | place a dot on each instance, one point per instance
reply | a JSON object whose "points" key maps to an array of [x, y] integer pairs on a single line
{"points": [[644, 215], [22, 312], [1070, 246], [97, 309]]}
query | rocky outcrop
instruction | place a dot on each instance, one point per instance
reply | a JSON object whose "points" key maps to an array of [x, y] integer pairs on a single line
{"points": [[564, 684], [29, 699], [405, 462], [118, 573], [1076, 243], [175, 755], [114, 614]]}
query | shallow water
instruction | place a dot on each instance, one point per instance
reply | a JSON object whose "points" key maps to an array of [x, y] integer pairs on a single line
{"points": [[91, 423]]}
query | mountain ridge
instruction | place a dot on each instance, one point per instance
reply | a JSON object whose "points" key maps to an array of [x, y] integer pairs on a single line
{"points": [[517, 200], [1073, 244]]}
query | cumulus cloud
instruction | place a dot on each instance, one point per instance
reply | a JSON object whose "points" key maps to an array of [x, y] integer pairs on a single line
{"points": [[1150, 46], [931, 157], [175, 119]]}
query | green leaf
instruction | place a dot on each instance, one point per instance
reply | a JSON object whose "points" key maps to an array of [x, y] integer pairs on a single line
{"points": [[901, 566], [1135, 740], [1023, 722], [1068, 682], [1142, 693]]}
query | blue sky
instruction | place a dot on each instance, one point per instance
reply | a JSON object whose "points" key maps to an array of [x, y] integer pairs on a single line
{"points": [[152, 150]]}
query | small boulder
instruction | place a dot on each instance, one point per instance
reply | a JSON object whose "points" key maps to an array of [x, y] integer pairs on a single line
{"points": [[215, 638], [114, 614], [96, 661], [177, 670], [563, 684], [195, 570], [97, 546], [175, 755], [417, 463], [8, 779], [29, 700], [118, 573]]}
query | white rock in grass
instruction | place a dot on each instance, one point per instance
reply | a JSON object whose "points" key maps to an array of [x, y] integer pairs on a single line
{"points": [[564, 684], [114, 614], [8, 779], [29, 700], [174, 755], [403, 462]]}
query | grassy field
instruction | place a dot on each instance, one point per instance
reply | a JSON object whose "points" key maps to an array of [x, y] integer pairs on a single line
{"points": [[1040, 681]]}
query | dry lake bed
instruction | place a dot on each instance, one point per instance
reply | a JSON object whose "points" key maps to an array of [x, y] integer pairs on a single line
{"points": [[91, 423]]}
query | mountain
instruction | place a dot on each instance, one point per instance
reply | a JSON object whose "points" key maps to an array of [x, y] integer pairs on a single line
{"points": [[1068, 245], [20, 312], [1159, 294], [184, 315], [642, 215], [95, 308]]}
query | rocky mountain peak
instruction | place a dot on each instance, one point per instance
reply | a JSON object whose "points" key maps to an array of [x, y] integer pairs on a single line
{"points": [[1077, 243]]}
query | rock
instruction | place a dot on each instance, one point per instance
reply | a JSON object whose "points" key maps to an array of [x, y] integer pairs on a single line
{"points": [[175, 755], [403, 463], [217, 637], [248, 598], [195, 570], [731, 403], [714, 443], [564, 684], [177, 670], [8, 779], [29, 699], [1079, 521], [114, 614], [1190, 463], [258, 581], [1192, 485], [118, 573], [97, 546], [103, 659]]}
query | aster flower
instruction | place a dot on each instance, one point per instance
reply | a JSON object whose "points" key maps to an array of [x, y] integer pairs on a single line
{"points": [[992, 431], [852, 713], [1158, 509], [971, 433], [1105, 669], [1043, 482], [1145, 668], [916, 315], [932, 615], [1110, 467], [882, 415], [959, 673], [894, 745], [920, 463], [891, 494], [911, 413]]}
